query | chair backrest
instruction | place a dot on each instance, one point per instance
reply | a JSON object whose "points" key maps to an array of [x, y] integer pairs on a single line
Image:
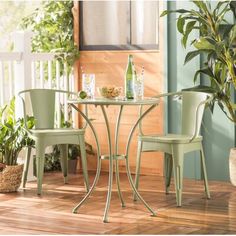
{"points": [[192, 111], [42, 105]]}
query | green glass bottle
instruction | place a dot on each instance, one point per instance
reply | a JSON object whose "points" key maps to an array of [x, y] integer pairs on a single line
{"points": [[129, 79]]}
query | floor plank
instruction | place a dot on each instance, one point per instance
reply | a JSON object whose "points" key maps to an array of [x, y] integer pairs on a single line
{"points": [[24, 212]]}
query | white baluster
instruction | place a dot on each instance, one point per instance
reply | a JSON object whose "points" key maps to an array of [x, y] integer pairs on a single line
{"points": [[66, 87], [57, 75], [72, 89], [50, 74], [58, 108], [10, 75], [41, 74], [33, 74], [1, 83]]}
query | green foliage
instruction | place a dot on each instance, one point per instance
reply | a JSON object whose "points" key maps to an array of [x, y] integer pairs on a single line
{"points": [[217, 42], [13, 135], [73, 151], [52, 24], [52, 160]]}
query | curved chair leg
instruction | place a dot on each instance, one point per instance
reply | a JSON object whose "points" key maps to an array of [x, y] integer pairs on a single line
{"points": [[64, 161], [168, 166], [26, 166], [84, 161], [178, 164], [137, 172], [40, 152], [204, 173]]}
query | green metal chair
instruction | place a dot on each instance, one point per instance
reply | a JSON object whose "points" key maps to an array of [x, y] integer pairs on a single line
{"points": [[45, 134], [176, 145]]}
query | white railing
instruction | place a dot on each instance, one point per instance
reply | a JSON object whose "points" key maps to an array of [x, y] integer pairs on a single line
{"points": [[23, 69], [7, 75]]}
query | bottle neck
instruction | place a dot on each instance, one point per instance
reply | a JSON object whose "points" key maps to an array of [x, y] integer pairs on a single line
{"points": [[130, 58]]}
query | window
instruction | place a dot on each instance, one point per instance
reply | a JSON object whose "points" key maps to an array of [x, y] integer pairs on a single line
{"points": [[117, 25]]}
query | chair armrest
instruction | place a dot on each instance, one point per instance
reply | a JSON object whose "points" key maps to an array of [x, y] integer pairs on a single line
{"points": [[24, 109]]}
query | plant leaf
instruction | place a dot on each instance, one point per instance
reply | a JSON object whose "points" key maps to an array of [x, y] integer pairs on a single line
{"points": [[232, 34], [182, 11], [188, 29], [219, 4], [233, 105], [201, 5], [206, 71], [233, 7], [191, 55], [165, 13], [180, 24], [201, 88], [203, 43]]}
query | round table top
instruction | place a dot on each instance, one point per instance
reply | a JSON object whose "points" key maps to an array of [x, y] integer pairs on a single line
{"points": [[116, 101]]}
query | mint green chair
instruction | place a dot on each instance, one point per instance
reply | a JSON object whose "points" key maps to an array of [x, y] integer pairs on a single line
{"points": [[176, 145], [45, 134]]}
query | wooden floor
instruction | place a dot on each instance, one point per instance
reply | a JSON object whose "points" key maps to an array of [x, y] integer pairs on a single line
{"points": [[26, 213]]}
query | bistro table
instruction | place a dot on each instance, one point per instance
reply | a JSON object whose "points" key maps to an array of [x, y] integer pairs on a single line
{"points": [[113, 154]]}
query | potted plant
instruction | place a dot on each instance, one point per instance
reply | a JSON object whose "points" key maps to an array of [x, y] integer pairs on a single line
{"points": [[52, 160], [13, 138], [217, 45], [73, 155]]}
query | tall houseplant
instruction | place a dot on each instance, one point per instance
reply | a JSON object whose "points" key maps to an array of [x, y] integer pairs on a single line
{"points": [[217, 45]]}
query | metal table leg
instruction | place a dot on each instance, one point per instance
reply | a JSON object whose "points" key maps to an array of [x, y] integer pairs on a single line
{"points": [[98, 160], [105, 217], [127, 161], [116, 154]]}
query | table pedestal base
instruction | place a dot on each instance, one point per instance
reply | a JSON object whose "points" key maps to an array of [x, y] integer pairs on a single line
{"points": [[112, 157]]}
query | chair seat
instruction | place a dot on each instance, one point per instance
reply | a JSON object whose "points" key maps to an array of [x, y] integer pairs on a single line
{"points": [[56, 132], [169, 138]]}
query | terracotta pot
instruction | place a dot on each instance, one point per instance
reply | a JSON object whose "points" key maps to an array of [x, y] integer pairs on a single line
{"points": [[72, 166], [2, 166], [10, 178], [232, 166]]}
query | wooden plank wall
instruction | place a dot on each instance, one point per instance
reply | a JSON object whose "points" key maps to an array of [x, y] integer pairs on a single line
{"points": [[109, 69]]}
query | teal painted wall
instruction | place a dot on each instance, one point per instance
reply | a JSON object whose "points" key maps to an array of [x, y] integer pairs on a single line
{"points": [[179, 76], [218, 132]]}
